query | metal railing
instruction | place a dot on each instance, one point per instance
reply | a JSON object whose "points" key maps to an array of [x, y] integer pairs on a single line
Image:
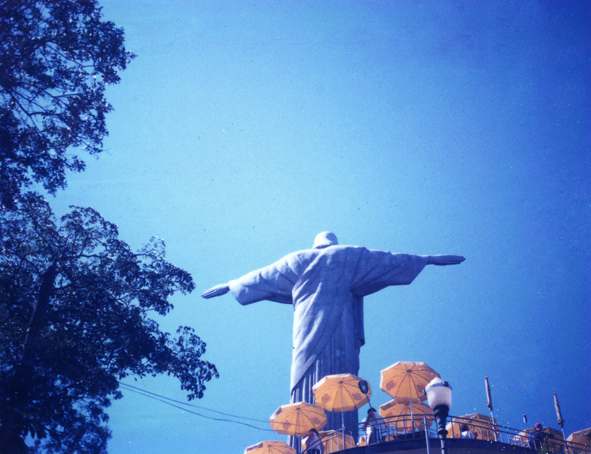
{"points": [[554, 444], [407, 427]]}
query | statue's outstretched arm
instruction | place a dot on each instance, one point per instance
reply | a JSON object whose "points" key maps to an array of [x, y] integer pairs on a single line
{"points": [[443, 260], [218, 290]]}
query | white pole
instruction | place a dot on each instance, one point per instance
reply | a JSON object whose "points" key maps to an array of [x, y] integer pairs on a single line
{"points": [[412, 421]]}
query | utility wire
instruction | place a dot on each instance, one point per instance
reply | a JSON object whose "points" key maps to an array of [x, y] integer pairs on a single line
{"points": [[192, 405], [168, 401]]}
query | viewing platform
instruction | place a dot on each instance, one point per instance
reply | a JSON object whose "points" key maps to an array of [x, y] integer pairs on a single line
{"points": [[485, 438]]}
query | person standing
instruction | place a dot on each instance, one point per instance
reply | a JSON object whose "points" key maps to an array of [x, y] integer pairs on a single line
{"points": [[375, 427], [465, 432], [538, 437], [314, 443]]}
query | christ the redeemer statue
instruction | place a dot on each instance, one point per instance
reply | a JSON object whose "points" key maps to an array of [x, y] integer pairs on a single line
{"points": [[326, 286]]}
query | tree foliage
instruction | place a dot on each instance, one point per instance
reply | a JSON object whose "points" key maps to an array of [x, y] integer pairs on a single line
{"points": [[56, 58], [76, 303], [75, 318]]}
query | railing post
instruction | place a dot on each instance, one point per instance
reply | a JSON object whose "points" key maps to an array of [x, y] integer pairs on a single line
{"points": [[427, 435]]}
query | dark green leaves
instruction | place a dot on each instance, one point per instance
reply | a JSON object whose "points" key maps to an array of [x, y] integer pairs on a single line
{"points": [[56, 58], [96, 328], [75, 300]]}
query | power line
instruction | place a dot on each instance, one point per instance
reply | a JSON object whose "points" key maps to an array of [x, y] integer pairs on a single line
{"points": [[169, 401], [191, 405]]}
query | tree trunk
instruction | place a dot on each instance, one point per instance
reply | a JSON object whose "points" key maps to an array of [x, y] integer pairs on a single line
{"points": [[13, 426]]}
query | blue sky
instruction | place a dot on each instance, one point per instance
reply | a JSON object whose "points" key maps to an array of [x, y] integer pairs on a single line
{"points": [[244, 128]]}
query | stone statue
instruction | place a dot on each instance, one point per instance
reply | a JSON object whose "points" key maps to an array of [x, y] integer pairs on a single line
{"points": [[326, 286]]}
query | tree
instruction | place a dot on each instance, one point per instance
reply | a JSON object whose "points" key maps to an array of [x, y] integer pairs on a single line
{"points": [[75, 300], [56, 58], [75, 306]]}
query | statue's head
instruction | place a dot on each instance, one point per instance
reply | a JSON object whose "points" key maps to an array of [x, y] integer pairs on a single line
{"points": [[325, 239]]}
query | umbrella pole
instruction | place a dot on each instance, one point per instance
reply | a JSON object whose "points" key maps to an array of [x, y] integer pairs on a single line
{"points": [[342, 414], [494, 425], [342, 419], [560, 420], [490, 407], [412, 420]]}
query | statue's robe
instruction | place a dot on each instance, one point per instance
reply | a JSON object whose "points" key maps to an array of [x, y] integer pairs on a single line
{"points": [[326, 288]]}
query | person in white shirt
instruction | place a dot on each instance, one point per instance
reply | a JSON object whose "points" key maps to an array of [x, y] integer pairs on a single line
{"points": [[313, 443], [375, 427]]}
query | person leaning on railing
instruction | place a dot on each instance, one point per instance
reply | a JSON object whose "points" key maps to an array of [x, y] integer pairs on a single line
{"points": [[374, 426], [465, 432], [314, 443], [538, 437]]}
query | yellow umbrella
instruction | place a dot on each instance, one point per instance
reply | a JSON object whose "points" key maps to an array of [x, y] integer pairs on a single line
{"points": [[270, 447], [340, 392], [398, 413], [297, 419], [481, 426], [582, 437], [407, 380], [555, 444], [333, 441]]}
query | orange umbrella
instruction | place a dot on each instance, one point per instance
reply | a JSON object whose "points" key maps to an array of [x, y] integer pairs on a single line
{"points": [[398, 413], [297, 419], [270, 447], [582, 437], [481, 426], [340, 392], [334, 441], [407, 380]]}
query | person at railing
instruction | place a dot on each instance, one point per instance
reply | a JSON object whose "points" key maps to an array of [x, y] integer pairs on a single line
{"points": [[314, 443], [465, 432], [538, 437], [375, 427]]}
